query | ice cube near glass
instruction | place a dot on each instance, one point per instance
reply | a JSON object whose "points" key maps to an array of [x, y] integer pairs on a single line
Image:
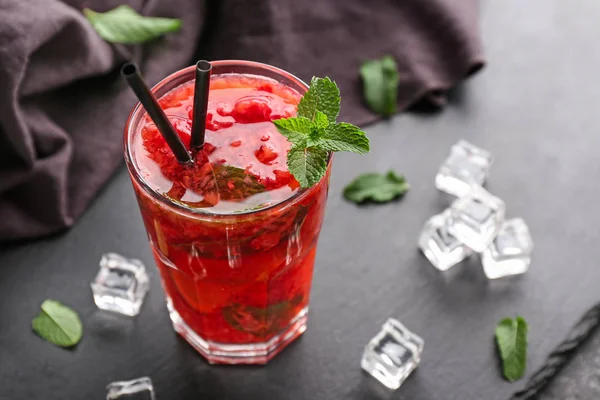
{"points": [[475, 219], [510, 252], [466, 166], [392, 354], [120, 285], [136, 389], [440, 247]]}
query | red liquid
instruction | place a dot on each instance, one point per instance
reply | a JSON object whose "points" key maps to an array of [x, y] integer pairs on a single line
{"points": [[238, 277]]}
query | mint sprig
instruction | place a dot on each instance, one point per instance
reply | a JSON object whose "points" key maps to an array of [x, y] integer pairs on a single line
{"points": [[124, 25], [511, 337], [314, 132]]}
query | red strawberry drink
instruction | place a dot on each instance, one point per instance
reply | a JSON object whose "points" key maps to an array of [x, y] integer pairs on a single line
{"points": [[233, 235]]}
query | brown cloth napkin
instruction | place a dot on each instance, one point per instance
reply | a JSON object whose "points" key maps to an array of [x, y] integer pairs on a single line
{"points": [[436, 43], [63, 106]]}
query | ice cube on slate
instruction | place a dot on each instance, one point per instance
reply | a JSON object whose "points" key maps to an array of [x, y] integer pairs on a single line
{"points": [[440, 247], [392, 354], [510, 252], [467, 165], [136, 389], [475, 219], [120, 284]]}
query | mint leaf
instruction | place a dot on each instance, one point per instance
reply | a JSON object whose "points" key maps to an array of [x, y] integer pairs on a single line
{"points": [[294, 129], [343, 137], [261, 322], [124, 25], [380, 85], [58, 324], [233, 183], [323, 96], [376, 187], [321, 121], [511, 337], [307, 164]]}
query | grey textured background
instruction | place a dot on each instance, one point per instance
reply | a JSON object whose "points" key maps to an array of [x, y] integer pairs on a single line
{"points": [[535, 106]]}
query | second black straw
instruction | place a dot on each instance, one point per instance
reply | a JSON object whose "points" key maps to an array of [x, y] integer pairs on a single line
{"points": [[202, 85]]}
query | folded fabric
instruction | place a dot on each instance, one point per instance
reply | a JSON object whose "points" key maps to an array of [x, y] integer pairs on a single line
{"points": [[63, 106], [436, 43]]}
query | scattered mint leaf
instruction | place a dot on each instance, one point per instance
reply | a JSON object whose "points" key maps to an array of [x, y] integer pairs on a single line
{"points": [[58, 324], [511, 337], [308, 164], [294, 129], [380, 85], [314, 132], [323, 96], [344, 137], [376, 187], [124, 25]]}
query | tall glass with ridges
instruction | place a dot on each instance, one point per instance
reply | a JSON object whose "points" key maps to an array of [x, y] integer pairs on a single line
{"points": [[236, 275]]}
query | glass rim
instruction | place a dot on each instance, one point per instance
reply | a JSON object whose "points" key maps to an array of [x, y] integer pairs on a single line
{"points": [[138, 111]]}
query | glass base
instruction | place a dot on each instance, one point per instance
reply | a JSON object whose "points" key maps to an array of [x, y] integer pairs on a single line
{"points": [[254, 353]]}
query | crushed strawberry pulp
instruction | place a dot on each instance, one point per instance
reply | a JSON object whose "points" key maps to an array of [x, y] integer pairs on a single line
{"points": [[235, 274]]}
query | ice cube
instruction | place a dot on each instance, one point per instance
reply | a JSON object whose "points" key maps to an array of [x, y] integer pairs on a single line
{"points": [[439, 246], [120, 284], [510, 252], [136, 389], [392, 354], [475, 219], [465, 167]]}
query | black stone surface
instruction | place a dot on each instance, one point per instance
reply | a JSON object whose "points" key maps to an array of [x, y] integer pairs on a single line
{"points": [[535, 106]]}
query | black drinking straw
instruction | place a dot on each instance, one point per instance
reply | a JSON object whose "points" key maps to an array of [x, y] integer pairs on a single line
{"points": [[203, 69], [132, 75]]}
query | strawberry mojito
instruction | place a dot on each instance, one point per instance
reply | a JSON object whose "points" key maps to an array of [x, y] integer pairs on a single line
{"points": [[233, 233]]}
